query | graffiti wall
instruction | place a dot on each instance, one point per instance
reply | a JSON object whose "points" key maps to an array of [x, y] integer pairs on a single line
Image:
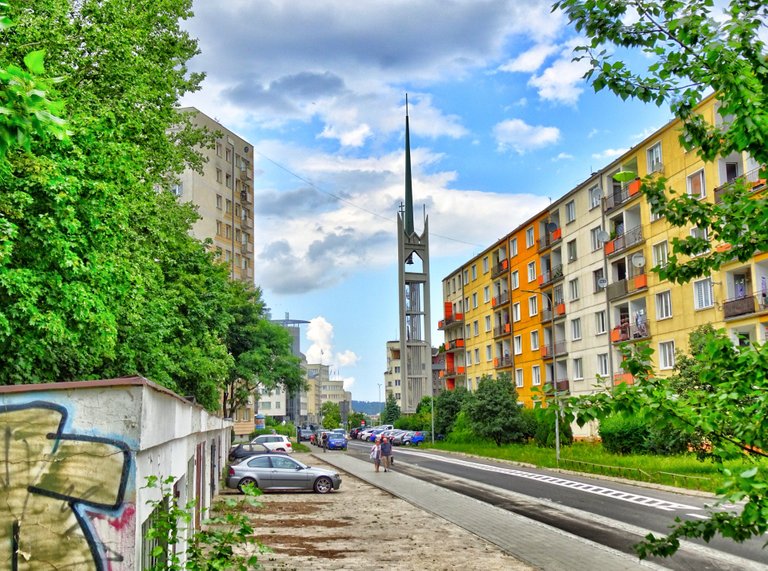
{"points": [[64, 501]]}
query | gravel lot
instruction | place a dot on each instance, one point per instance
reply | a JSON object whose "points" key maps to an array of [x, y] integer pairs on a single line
{"points": [[362, 527]]}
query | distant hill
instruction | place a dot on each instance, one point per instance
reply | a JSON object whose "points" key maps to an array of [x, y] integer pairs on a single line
{"points": [[367, 407]]}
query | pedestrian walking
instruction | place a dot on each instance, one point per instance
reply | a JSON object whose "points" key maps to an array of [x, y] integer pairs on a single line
{"points": [[376, 454], [386, 453], [325, 442]]}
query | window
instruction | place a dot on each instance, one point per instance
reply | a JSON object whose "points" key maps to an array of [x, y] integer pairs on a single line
{"points": [[487, 322], [534, 340], [469, 357], [531, 271], [535, 375], [696, 188], [570, 211], [576, 328], [702, 294], [228, 231], [654, 158], [516, 312], [487, 294], [474, 300], [219, 227], [466, 276], [533, 306], [228, 180], [485, 265], [518, 344], [666, 355], [218, 201], [578, 370], [602, 364], [219, 176], [228, 208], [518, 378], [474, 272], [597, 277], [654, 215], [594, 197], [476, 327], [599, 322], [664, 305], [700, 234], [515, 279], [573, 287], [529, 237], [594, 236], [477, 356], [571, 247], [513, 247], [488, 353], [467, 331], [660, 254]]}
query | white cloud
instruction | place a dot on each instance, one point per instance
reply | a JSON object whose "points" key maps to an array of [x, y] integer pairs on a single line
{"points": [[320, 335], [531, 60], [563, 157], [562, 82], [608, 154], [517, 135]]}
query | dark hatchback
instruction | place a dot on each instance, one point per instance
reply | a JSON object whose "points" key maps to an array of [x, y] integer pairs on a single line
{"points": [[245, 450]]}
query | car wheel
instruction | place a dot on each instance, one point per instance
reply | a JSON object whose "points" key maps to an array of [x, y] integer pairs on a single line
{"points": [[244, 482], [407, 442], [323, 485]]}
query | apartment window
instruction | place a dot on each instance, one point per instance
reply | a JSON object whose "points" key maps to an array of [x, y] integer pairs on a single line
{"points": [[654, 158], [245, 263], [570, 211], [477, 356], [529, 237], [664, 305], [487, 294], [533, 306], [602, 364], [218, 149], [535, 375], [571, 247], [518, 378], [227, 231], [600, 322], [534, 340], [469, 357], [177, 189], [516, 312], [219, 176], [513, 247], [578, 370], [518, 344], [228, 155], [576, 329], [238, 236], [488, 353], [487, 322], [474, 300], [701, 234], [660, 254], [467, 331], [531, 271], [515, 279], [476, 327], [666, 355], [228, 208], [218, 201], [594, 236], [485, 265], [702, 294], [597, 277], [466, 303], [228, 180], [573, 287], [219, 227], [594, 197], [466, 276], [474, 272], [696, 188]]}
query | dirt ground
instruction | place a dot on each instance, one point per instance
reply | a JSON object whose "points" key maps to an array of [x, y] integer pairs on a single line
{"points": [[362, 527]]}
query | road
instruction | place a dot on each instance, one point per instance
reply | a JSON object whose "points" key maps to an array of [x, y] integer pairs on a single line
{"points": [[615, 514]]}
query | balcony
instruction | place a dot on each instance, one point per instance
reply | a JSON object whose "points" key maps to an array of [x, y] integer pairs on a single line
{"points": [[626, 240], [452, 320], [629, 286], [752, 180], [626, 332], [499, 268], [550, 239], [563, 386], [454, 345], [501, 362], [625, 378], [559, 349], [617, 198], [746, 305], [501, 330], [454, 371], [550, 276], [246, 223], [501, 299]]}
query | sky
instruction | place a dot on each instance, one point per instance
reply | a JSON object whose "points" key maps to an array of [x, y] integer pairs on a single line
{"points": [[501, 123]]}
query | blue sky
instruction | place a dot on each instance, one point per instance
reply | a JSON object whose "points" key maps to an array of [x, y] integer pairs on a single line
{"points": [[500, 123]]}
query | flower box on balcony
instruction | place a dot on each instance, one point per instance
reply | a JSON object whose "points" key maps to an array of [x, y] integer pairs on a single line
{"points": [[641, 281], [610, 246], [560, 309], [634, 187]]}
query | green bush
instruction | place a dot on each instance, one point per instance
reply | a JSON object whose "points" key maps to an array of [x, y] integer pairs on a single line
{"points": [[462, 432], [530, 422], [545, 429], [623, 434], [288, 429]]}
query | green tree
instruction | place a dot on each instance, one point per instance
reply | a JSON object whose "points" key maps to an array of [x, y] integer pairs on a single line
{"points": [[493, 412], [448, 404], [357, 418], [330, 413], [391, 411]]}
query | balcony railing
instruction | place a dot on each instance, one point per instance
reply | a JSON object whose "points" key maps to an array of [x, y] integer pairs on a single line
{"points": [[454, 371], [505, 361], [618, 197], [454, 344], [499, 268], [563, 386], [455, 319], [501, 299], [629, 332], [752, 179], [628, 286], [743, 305], [552, 275], [626, 240], [550, 238], [500, 330], [559, 349]]}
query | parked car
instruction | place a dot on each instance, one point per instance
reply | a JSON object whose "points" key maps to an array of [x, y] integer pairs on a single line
{"points": [[275, 442], [337, 441], [397, 437], [244, 450], [356, 431], [271, 472], [416, 438], [305, 434]]}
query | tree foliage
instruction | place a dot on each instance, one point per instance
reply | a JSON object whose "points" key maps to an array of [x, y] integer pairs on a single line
{"points": [[331, 414], [493, 412], [448, 404], [391, 411]]}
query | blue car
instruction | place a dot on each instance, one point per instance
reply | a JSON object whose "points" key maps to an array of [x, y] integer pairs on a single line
{"points": [[336, 441]]}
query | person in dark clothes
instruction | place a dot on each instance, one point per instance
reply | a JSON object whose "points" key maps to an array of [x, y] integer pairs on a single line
{"points": [[386, 453]]}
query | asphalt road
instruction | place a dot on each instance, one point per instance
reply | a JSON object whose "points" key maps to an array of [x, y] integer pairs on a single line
{"points": [[616, 514]]}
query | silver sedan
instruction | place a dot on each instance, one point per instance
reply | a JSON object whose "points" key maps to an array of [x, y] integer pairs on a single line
{"points": [[272, 472]]}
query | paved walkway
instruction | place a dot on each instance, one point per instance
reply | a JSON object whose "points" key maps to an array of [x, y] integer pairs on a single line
{"points": [[537, 544]]}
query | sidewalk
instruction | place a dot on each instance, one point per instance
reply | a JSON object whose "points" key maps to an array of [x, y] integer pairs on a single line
{"points": [[534, 543]]}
